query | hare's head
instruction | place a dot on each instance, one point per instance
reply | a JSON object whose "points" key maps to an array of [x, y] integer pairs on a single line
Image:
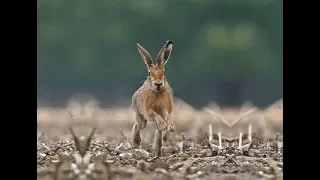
{"points": [[156, 72]]}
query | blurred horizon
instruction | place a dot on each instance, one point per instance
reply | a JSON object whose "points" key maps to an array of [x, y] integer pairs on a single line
{"points": [[227, 52]]}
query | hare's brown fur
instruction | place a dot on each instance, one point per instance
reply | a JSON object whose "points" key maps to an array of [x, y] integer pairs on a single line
{"points": [[153, 100]]}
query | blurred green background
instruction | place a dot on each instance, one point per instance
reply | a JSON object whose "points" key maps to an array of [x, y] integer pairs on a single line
{"points": [[227, 51]]}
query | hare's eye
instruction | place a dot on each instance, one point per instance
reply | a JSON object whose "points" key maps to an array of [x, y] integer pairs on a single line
{"points": [[148, 73]]}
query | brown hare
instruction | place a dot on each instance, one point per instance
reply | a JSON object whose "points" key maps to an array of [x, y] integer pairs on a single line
{"points": [[153, 100]]}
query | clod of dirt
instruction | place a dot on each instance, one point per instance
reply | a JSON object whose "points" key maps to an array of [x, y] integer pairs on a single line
{"points": [[141, 153], [172, 159], [160, 170], [246, 167], [143, 166], [182, 146], [176, 166], [123, 146], [212, 168], [126, 155], [42, 155], [194, 169], [168, 150], [251, 153], [160, 164], [209, 153], [161, 176]]}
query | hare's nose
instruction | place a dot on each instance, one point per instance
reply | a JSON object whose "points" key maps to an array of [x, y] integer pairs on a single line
{"points": [[158, 84]]}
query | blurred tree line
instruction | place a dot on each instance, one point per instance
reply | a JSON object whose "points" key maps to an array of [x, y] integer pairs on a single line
{"points": [[227, 51]]}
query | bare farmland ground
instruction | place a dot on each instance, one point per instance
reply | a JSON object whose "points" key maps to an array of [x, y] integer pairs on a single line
{"points": [[189, 153]]}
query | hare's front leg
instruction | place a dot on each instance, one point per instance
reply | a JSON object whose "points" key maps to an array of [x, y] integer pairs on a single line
{"points": [[166, 116], [171, 126], [161, 123], [137, 127]]}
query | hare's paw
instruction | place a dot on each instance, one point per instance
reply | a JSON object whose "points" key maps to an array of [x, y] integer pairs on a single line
{"points": [[171, 126], [162, 125], [136, 142]]}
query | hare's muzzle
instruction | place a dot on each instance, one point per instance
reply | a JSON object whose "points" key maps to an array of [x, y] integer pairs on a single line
{"points": [[158, 85]]}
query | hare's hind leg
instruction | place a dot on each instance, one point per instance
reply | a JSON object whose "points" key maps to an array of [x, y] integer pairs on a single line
{"points": [[137, 127], [157, 143]]}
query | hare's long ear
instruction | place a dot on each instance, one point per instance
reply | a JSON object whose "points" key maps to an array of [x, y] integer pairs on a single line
{"points": [[145, 55], [164, 54]]}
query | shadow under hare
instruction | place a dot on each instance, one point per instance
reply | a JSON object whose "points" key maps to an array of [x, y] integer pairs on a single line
{"points": [[153, 101]]}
